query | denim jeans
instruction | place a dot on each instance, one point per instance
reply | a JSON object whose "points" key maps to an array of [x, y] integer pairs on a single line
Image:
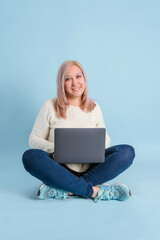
{"points": [[41, 165]]}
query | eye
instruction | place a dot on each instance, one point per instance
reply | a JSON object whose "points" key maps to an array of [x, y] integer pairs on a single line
{"points": [[78, 76], [67, 79]]}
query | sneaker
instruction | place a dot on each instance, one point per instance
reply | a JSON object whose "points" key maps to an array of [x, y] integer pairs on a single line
{"points": [[45, 191], [117, 191]]}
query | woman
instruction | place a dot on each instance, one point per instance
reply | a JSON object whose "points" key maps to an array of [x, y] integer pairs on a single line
{"points": [[73, 108]]}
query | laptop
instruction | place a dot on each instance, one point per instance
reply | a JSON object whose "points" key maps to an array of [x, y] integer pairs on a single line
{"points": [[79, 145]]}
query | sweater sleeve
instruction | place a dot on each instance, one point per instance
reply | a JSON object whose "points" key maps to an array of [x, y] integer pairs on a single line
{"points": [[38, 136], [101, 123]]}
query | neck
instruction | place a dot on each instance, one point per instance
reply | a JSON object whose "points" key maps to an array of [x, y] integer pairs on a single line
{"points": [[74, 102]]}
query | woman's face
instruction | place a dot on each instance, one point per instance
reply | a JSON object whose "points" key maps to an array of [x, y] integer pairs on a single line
{"points": [[74, 82]]}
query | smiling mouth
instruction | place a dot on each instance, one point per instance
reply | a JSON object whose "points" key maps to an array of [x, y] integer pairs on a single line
{"points": [[75, 89]]}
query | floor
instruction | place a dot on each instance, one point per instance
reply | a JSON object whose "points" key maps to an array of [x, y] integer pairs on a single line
{"points": [[23, 216]]}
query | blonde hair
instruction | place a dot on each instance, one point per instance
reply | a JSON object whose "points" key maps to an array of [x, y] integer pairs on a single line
{"points": [[61, 102]]}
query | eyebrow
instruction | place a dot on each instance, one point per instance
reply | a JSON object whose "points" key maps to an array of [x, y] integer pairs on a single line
{"points": [[72, 75]]}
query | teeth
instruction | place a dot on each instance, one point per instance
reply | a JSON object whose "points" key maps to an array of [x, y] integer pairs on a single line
{"points": [[75, 88]]}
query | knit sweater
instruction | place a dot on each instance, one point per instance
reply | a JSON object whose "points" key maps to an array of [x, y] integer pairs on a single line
{"points": [[42, 135]]}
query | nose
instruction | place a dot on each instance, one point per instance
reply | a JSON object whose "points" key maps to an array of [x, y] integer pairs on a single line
{"points": [[73, 81]]}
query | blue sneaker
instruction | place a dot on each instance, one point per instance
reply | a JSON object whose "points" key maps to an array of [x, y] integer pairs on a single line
{"points": [[117, 191], [45, 191]]}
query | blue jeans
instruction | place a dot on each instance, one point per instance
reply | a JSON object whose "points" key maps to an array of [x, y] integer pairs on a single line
{"points": [[41, 165]]}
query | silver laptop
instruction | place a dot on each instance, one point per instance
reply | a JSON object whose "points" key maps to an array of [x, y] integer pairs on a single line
{"points": [[79, 145]]}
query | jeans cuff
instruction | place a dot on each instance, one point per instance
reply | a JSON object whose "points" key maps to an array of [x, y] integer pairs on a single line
{"points": [[90, 193]]}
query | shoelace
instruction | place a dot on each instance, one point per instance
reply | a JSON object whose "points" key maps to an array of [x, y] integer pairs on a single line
{"points": [[107, 194], [56, 193], [60, 193]]}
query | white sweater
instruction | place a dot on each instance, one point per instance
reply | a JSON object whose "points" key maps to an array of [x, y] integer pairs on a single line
{"points": [[42, 135]]}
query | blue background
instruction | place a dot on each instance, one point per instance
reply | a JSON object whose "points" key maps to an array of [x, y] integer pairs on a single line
{"points": [[118, 43]]}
